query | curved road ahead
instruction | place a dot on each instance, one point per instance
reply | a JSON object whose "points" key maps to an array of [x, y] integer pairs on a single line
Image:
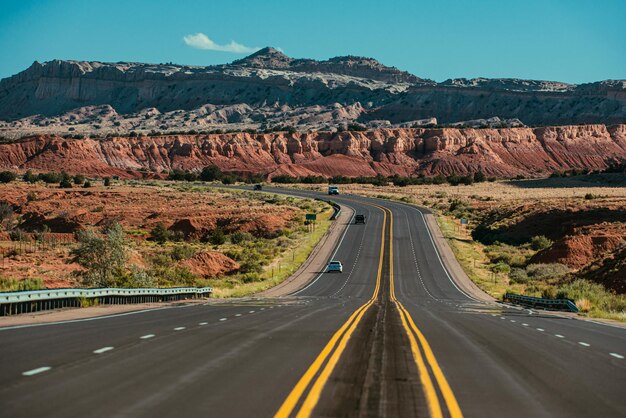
{"points": [[391, 336]]}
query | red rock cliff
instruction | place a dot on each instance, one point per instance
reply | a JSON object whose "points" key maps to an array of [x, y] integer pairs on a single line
{"points": [[500, 152]]}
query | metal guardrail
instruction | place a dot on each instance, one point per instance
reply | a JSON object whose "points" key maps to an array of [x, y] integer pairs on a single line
{"points": [[336, 208], [38, 300], [549, 304]]}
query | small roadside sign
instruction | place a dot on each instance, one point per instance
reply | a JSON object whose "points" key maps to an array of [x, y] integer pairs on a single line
{"points": [[311, 217]]}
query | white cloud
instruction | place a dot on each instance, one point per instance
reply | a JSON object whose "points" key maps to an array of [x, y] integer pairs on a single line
{"points": [[201, 41]]}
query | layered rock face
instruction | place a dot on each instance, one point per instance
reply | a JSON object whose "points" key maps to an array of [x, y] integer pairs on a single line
{"points": [[406, 152], [268, 83]]}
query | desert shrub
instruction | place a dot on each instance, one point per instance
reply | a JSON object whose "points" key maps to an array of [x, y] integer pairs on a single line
{"points": [[217, 237], [229, 179], [29, 177], [65, 184], [591, 296], [160, 234], [590, 196], [546, 271], [182, 252], [173, 275], [87, 184], [30, 284], [284, 179], [78, 179], [13, 285], [549, 292], [211, 173], [540, 242], [136, 278], [518, 275], [500, 268], [18, 235], [107, 181], [251, 277], [102, 257], [50, 178], [240, 237], [7, 176], [7, 284], [31, 196], [6, 211], [479, 176]]}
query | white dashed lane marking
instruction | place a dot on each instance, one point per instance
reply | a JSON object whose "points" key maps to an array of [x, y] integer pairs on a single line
{"points": [[619, 356], [251, 312], [203, 323], [36, 371], [238, 314], [525, 325], [102, 350], [559, 336], [584, 344], [146, 337], [179, 328], [540, 329], [223, 319]]}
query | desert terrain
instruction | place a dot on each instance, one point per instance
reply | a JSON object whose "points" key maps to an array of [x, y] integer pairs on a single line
{"points": [[173, 235]]}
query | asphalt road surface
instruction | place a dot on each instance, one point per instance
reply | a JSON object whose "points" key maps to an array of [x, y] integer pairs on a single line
{"points": [[390, 336]]}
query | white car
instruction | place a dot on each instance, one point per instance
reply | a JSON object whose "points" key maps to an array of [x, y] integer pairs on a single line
{"points": [[334, 267]]}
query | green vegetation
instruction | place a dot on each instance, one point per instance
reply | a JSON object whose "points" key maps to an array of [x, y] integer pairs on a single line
{"points": [[103, 256], [500, 268], [12, 285], [7, 176]]}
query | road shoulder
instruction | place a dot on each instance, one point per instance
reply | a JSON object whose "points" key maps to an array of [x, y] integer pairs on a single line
{"points": [[317, 260]]}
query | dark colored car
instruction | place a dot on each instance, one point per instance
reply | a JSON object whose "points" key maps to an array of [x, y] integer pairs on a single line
{"points": [[257, 187], [359, 219]]}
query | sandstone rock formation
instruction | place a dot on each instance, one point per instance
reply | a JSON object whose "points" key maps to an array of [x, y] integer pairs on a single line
{"points": [[268, 89], [406, 152]]}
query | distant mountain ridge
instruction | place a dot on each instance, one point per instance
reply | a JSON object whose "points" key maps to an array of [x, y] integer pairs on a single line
{"points": [[265, 83]]}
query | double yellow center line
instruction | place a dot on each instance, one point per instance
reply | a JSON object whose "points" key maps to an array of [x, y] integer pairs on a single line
{"points": [[331, 353]]}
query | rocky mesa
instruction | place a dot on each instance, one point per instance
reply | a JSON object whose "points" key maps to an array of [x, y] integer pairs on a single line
{"points": [[406, 152], [269, 89]]}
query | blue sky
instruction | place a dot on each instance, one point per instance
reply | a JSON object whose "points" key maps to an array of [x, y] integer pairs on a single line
{"points": [[565, 40]]}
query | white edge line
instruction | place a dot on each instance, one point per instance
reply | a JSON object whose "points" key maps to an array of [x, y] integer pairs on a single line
{"points": [[40, 370], [332, 255], [441, 261], [102, 350]]}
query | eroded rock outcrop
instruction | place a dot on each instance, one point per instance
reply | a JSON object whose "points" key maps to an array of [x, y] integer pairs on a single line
{"points": [[406, 152]]}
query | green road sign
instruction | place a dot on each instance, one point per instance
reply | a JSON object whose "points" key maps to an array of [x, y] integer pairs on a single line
{"points": [[311, 217]]}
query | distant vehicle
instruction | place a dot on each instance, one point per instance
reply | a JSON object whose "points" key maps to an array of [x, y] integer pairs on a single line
{"points": [[359, 219], [333, 190], [334, 267], [257, 187]]}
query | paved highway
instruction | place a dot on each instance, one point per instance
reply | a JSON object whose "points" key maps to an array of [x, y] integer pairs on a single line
{"points": [[390, 336]]}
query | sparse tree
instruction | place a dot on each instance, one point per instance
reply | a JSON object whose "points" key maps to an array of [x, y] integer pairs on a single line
{"points": [[102, 256]]}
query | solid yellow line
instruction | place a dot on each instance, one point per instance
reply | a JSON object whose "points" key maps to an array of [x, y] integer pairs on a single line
{"points": [[429, 389], [432, 399], [314, 394], [446, 390], [444, 386]]}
